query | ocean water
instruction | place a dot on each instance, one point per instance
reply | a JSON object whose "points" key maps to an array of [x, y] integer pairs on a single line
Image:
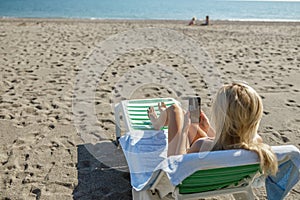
{"points": [[153, 9]]}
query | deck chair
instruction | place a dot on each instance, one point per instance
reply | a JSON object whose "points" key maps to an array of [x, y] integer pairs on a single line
{"points": [[203, 183]]}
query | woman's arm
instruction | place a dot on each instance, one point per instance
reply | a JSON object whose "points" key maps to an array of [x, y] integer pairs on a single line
{"points": [[205, 125], [202, 144], [195, 133]]}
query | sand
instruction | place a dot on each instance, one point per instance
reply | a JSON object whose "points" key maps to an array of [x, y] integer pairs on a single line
{"points": [[47, 149]]}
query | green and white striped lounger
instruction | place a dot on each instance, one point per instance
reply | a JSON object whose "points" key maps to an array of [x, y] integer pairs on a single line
{"points": [[203, 183], [134, 113]]}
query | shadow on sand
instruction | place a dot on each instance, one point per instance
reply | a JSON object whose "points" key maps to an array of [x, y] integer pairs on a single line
{"points": [[102, 173]]}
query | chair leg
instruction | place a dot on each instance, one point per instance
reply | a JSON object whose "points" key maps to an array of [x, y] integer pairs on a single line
{"points": [[117, 121], [247, 194]]}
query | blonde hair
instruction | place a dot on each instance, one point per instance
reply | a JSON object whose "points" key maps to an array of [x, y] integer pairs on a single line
{"points": [[237, 112]]}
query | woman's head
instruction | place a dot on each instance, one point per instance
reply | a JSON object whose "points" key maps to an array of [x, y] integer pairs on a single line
{"points": [[237, 111]]}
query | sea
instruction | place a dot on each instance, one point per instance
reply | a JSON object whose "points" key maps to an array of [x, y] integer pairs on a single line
{"points": [[250, 10]]}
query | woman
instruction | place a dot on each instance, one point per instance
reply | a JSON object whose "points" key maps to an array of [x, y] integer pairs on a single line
{"points": [[193, 21], [236, 113]]}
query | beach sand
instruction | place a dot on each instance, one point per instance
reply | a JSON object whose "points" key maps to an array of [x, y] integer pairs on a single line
{"points": [[44, 153]]}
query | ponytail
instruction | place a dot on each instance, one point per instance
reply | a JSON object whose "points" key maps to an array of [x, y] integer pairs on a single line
{"points": [[268, 160]]}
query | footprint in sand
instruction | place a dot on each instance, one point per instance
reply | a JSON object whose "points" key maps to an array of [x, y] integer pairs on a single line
{"points": [[292, 103], [281, 136], [285, 139]]}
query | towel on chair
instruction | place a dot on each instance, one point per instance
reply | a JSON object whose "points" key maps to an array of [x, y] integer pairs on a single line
{"points": [[146, 155], [144, 151]]}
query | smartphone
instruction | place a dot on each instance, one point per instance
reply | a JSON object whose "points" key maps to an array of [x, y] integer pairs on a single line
{"points": [[195, 109]]}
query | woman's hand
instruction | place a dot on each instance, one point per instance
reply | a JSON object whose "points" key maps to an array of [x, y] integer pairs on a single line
{"points": [[204, 122]]}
